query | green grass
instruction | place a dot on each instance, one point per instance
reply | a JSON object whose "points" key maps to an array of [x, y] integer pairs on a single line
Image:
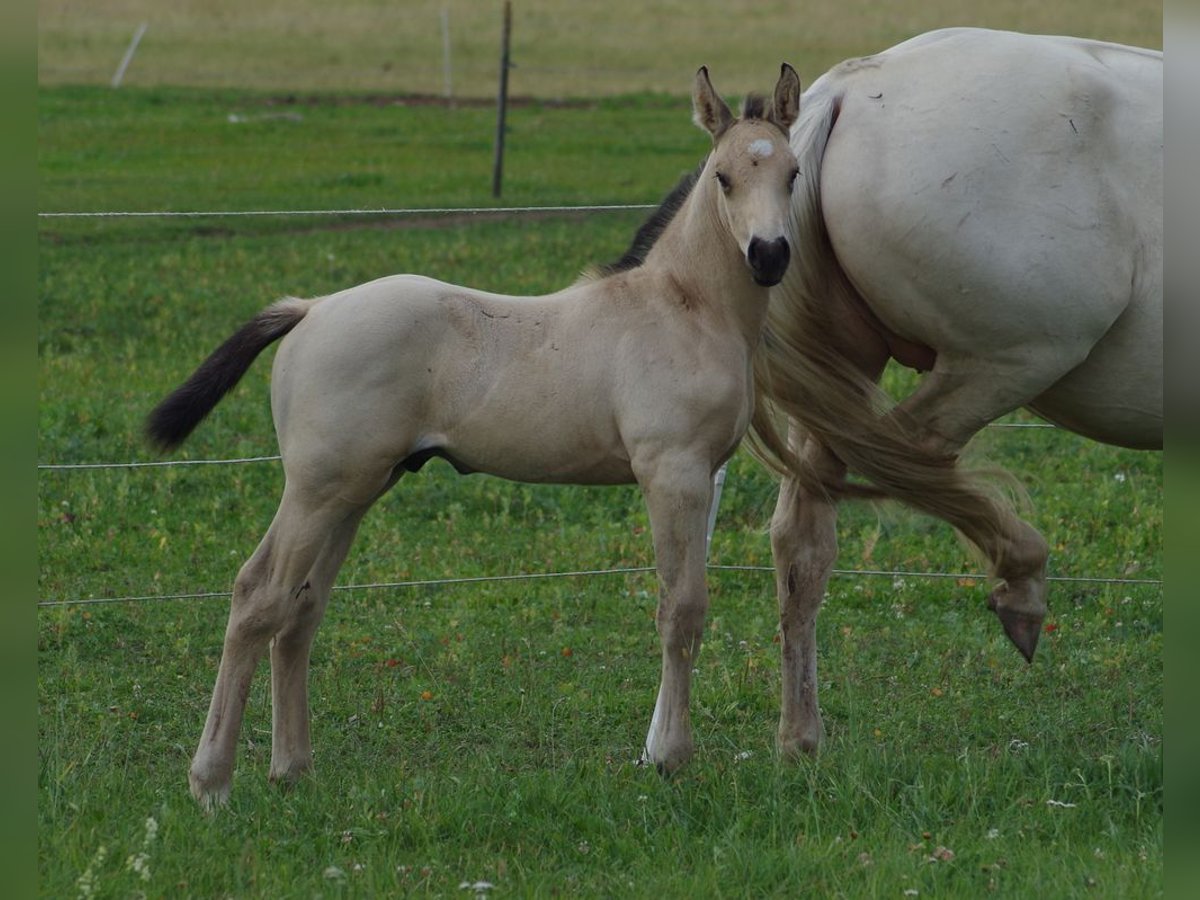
{"points": [[488, 731], [560, 50], [177, 149]]}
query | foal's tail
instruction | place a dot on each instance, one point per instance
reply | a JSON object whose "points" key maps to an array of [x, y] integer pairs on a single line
{"points": [[800, 373], [179, 414]]}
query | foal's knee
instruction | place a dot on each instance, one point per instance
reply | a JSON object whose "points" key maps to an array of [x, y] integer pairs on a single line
{"points": [[681, 622]]}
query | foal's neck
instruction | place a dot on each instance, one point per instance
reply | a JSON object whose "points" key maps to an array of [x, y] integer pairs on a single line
{"points": [[697, 251]]}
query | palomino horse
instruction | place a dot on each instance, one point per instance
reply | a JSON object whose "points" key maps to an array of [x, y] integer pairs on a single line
{"points": [[641, 373], [986, 207]]}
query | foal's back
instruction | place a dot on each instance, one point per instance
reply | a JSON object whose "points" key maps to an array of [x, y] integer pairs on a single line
{"points": [[546, 389]]}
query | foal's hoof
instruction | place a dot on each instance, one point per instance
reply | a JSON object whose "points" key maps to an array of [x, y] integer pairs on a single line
{"points": [[209, 796], [797, 746], [664, 767], [286, 775], [644, 761]]}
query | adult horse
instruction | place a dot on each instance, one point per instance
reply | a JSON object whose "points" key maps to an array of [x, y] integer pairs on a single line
{"points": [[642, 373], [985, 207]]}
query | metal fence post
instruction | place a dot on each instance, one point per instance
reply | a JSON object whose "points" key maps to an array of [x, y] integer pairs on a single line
{"points": [[502, 101]]}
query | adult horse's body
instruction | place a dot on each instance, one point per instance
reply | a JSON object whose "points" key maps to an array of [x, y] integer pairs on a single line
{"points": [[986, 207], [643, 374]]}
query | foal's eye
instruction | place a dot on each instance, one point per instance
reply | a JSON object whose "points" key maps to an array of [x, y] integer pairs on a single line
{"points": [[726, 186], [792, 178]]}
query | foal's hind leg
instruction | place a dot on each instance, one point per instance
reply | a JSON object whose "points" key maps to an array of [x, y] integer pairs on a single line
{"points": [[291, 745], [678, 493], [268, 590], [804, 548]]}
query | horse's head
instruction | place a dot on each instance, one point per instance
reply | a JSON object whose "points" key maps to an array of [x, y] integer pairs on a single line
{"points": [[754, 166]]}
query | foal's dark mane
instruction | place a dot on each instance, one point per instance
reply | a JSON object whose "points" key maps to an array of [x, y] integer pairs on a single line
{"points": [[654, 226], [755, 106]]}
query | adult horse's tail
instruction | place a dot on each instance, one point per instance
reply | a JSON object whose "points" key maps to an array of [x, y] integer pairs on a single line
{"points": [[179, 414], [800, 372]]}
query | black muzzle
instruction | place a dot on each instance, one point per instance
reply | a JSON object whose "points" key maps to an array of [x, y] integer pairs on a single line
{"points": [[768, 260]]}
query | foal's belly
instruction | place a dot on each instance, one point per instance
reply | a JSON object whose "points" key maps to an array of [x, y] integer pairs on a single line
{"points": [[550, 468], [549, 436], [602, 472]]}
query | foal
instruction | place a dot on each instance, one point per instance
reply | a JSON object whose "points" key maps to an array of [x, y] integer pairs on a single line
{"points": [[641, 374]]}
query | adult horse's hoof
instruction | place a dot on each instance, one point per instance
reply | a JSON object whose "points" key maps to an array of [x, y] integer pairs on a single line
{"points": [[1023, 628]]}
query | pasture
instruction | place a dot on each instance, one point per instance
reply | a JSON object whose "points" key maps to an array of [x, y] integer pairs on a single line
{"points": [[471, 732]]}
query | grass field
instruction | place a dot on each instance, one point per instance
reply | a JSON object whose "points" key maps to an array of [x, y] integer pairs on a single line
{"points": [[486, 732], [560, 50]]}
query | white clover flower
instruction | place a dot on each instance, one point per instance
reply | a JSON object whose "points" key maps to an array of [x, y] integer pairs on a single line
{"points": [[139, 863], [87, 881], [479, 887]]}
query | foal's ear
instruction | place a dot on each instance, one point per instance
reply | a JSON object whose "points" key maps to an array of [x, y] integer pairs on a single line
{"points": [[708, 110], [785, 106]]}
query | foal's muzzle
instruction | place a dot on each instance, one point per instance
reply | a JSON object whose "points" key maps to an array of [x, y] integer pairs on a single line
{"points": [[768, 260]]}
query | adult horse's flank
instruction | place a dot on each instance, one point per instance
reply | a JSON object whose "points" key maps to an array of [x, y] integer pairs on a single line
{"points": [[642, 373], [986, 207]]}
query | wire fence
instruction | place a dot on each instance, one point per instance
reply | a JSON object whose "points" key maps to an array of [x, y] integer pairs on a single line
{"points": [[967, 577], [233, 461], [442, 582], [359, 211]]}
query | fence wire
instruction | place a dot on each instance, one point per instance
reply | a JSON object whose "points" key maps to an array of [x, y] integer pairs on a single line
{"points": [[67, 467], [444, 582], [971, 577], [370, 211]]}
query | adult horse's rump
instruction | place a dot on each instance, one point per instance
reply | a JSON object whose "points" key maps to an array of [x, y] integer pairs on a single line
{"points": [[986, 207]]}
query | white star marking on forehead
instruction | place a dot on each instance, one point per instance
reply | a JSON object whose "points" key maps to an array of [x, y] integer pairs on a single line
{"points": [[761, 149]]}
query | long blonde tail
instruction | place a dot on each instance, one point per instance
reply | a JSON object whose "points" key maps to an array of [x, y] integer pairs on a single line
{"points": [[801, 375]]}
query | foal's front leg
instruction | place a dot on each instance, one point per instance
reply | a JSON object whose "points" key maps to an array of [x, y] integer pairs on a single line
{"points": [[678, 493]]}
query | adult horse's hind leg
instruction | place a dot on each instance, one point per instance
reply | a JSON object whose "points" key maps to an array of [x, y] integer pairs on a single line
{"points": [[951, 409], [678, 492], [270, 590], [948, 411], [804, 548]]}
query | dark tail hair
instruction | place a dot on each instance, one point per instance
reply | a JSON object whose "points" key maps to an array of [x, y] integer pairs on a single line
{"points": [[178, 415]]}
